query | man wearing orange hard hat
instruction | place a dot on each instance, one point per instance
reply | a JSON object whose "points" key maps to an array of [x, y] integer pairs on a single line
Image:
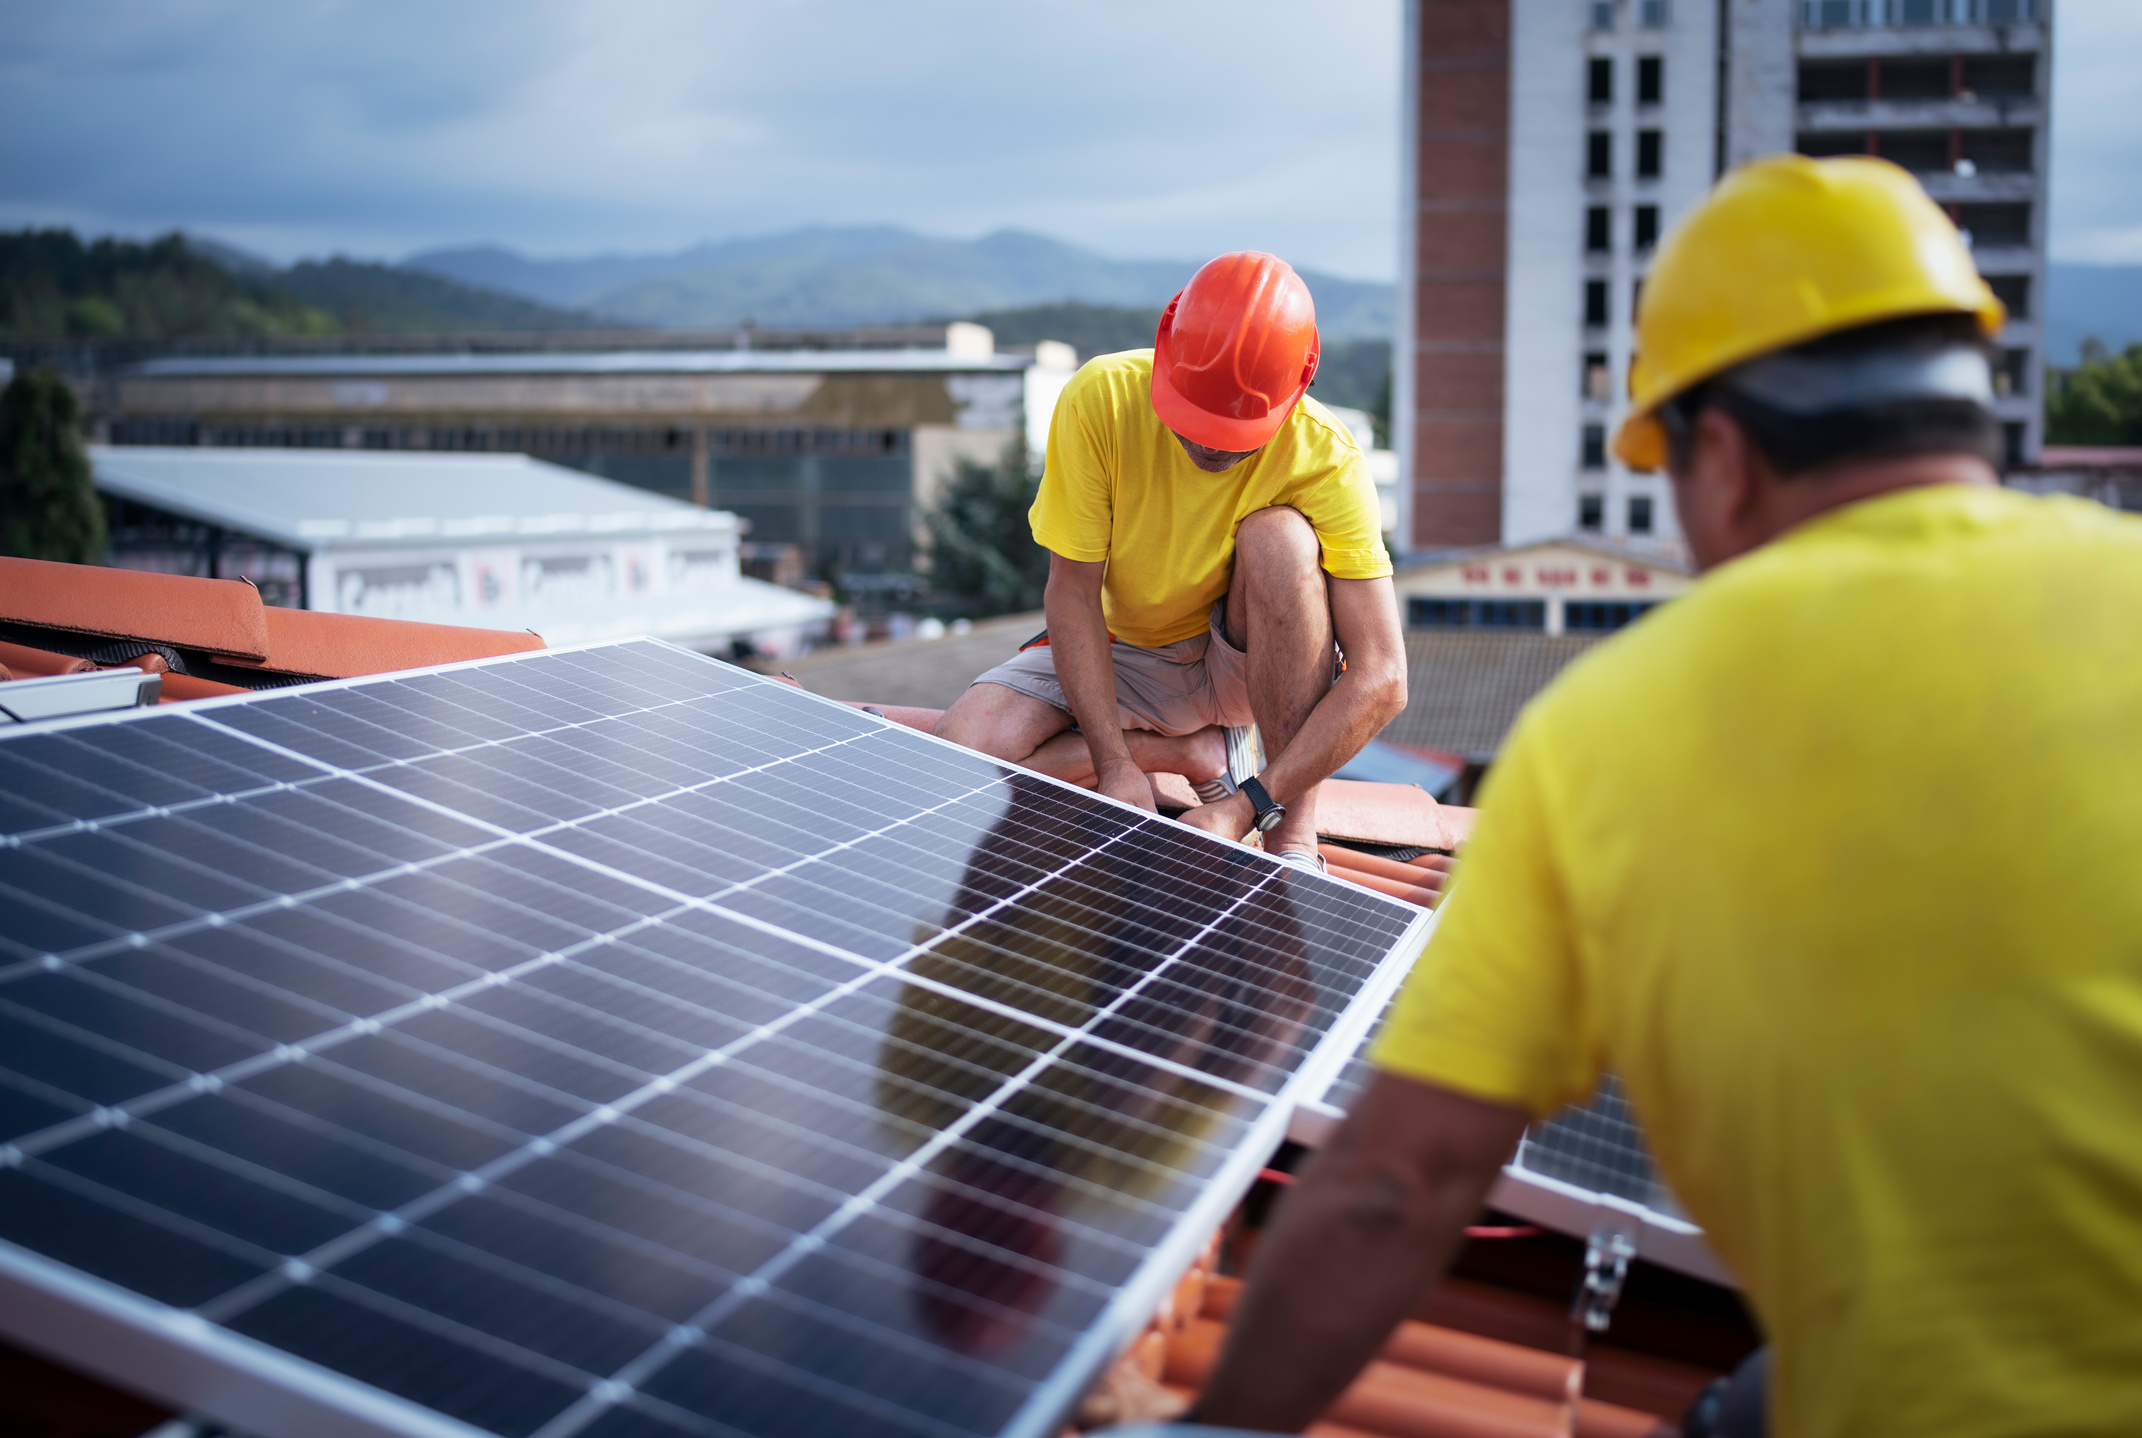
{"points": [[1743, 856], [1214, 551]]}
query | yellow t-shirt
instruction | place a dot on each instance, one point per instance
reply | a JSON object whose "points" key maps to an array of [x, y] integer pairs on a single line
{"points": [[1837, 861], [1117, 486]]}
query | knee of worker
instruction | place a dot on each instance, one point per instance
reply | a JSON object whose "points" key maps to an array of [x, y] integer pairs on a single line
{"points": [[1278, 540], [986, 719]]}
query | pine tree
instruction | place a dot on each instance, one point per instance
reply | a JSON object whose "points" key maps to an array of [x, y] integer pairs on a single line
{"points": [[48, 506], [981, 545]]}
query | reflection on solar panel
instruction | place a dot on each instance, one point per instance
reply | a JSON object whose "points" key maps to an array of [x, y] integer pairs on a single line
{"points": [[1597, 1146], [606, 1042]]}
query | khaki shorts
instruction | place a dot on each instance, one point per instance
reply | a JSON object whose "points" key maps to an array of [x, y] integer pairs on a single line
{"points": [[1178, 688]]}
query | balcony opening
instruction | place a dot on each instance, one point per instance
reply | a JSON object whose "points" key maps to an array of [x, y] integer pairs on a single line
{"points": [[2011, 374], [1647, 227], [1591, 512], [1998, 152], [1917, 79], [2002, 226], [1923, 152], [1640, 514], [2013, 291], [1592, 451], [1651, 80], [1598, 381], [2001, 77], [1599, 155], [1650, 153], [1821, 144], [1595, 304], [1832, 80], [1599, 80], [1598, 229]]}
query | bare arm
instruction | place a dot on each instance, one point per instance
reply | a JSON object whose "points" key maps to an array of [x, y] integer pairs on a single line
{"points": [[1078, 635], [1371, 1226]]}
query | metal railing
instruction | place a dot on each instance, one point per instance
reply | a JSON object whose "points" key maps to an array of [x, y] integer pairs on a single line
{"points": [[1867, 14]]}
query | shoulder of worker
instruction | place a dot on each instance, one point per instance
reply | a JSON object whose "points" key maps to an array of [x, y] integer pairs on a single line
{"points": [[1838, 569], [1322, 427], [1119, 383]]}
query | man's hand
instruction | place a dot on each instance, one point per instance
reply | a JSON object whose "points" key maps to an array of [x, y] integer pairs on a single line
{"points": [[1122, 779], [1231, 818]]}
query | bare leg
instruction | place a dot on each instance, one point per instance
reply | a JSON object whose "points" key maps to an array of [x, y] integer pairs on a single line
{"points": [[1006, 724], [1279, 614]]}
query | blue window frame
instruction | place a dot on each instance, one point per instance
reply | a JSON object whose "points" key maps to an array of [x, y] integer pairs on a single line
{"points": [[1596, 615], [1424, 613]]}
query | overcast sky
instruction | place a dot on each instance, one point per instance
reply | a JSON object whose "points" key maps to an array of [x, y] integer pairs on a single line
{"points": [[1141, 128]]}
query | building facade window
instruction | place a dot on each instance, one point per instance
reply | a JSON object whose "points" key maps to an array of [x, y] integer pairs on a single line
{"points": [[1591, 450], [1591, 512], [1599, 80], [2011, 375], [1595, 304], [1594, 615], [1651, 14], [1650, 154], [1599, 155], [1599, 14], [2013, 291], [1647, 226], [1598, 382], [1598, 229], [1424, 612], [1639, 514], [1651, 80]]}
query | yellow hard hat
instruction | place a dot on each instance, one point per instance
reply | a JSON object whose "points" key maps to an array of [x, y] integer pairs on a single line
{"points": [[1785, 250]]}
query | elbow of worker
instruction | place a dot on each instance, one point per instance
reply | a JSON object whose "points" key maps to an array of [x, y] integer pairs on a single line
{"points": [[1388, 685]]}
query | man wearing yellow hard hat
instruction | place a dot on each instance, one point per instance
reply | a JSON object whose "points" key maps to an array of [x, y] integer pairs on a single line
{"points": [[1835, 861]]}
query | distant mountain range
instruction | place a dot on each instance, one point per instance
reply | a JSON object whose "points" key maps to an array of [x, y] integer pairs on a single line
{"points": [[2100, 302], [865, 275]]}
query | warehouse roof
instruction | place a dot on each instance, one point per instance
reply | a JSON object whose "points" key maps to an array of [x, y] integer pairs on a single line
{"points": [[1466, 687], [327, 498]]}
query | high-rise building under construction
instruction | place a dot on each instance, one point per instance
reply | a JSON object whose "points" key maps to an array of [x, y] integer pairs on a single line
{"points": [[1549, 144]]}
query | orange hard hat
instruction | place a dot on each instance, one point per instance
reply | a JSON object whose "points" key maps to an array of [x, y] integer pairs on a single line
{"points": [[1235, 352]]}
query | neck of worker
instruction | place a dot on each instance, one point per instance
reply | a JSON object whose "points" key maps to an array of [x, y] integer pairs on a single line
{"points": [[1726, 516]]}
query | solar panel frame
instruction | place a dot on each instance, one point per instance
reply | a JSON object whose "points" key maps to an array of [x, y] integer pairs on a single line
{"points": [[185, 1359]]}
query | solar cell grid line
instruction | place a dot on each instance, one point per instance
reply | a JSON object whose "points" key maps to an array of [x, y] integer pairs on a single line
{"points": [[1117, 1099]]}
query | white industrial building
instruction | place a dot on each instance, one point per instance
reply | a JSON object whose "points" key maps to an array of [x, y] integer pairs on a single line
{"points": [[1549, 144], [494, 541]]}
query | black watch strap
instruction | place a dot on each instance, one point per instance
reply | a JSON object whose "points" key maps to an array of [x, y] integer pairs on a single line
{"points": [[1270, 812]]}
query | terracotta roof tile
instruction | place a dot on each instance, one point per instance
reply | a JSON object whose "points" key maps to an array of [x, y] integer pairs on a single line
{"points": [[217, 616], [23, 662], [191, 629], [342, 646]]}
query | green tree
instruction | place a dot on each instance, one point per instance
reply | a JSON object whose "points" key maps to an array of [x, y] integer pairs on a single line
{"points": [[2099, 401], [48, 506], [981, 547]]}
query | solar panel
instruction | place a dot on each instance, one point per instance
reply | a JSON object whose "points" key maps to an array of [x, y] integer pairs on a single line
{"points": [[609, 1042], [1585, 1168]]}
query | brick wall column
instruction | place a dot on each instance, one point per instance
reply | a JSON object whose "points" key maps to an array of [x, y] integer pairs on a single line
{"points": [[1459, 233]]}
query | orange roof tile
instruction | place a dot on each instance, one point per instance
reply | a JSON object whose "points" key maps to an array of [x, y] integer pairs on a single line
{"points": [[218, 616], [342, 646], [220, 621]]}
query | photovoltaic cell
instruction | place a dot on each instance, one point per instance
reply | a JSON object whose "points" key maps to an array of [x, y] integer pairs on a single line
{"points": [[610, 1042]]}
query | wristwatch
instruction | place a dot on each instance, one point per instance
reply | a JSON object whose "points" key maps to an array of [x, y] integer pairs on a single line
{"points": [[1270, 812]]}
